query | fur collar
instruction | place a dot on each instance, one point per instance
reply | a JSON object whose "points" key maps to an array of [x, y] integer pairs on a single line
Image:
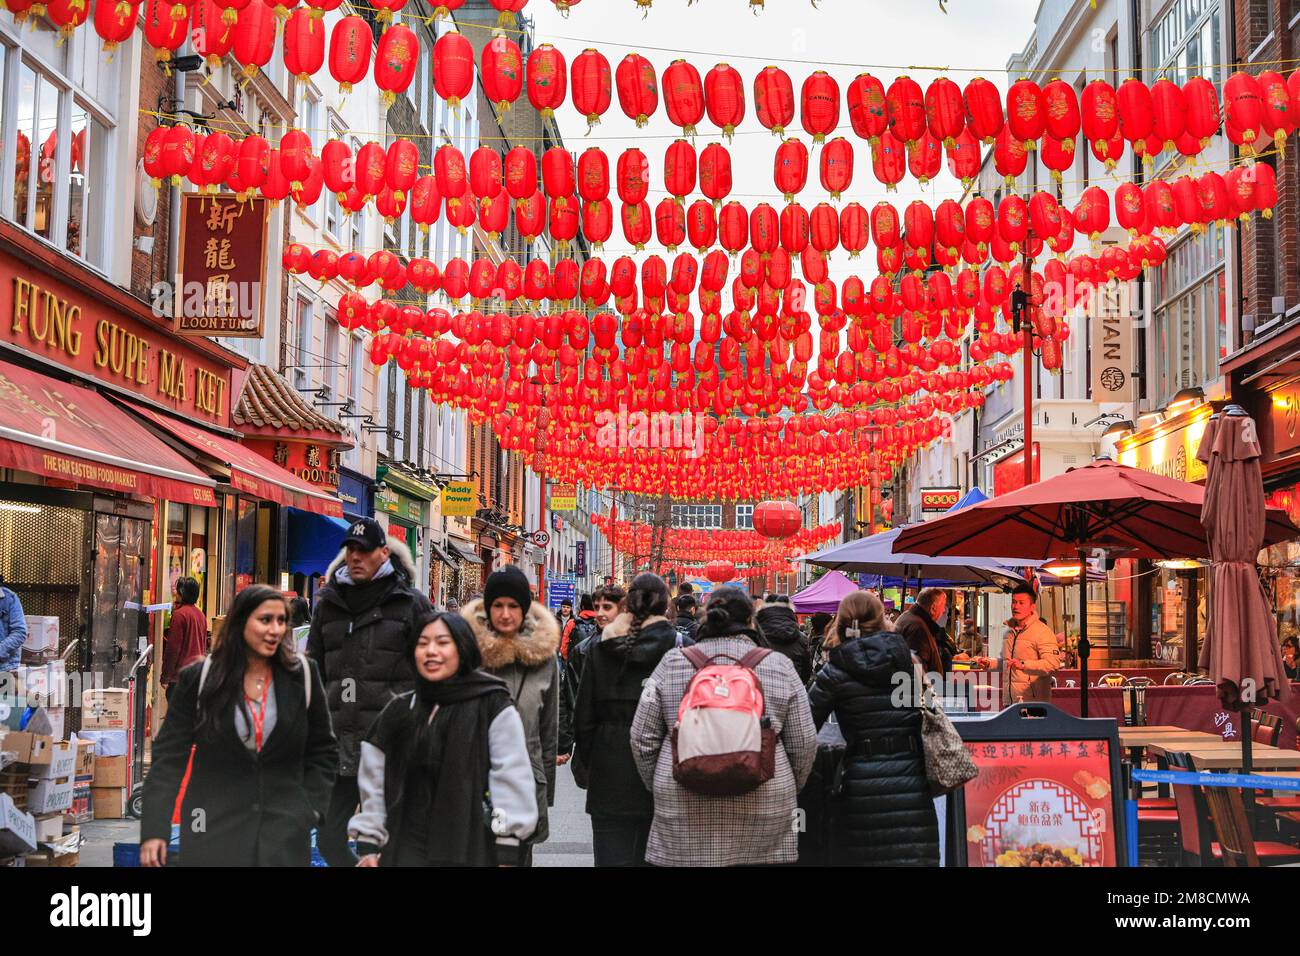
{"points": [[536, 643], [398, 553], [623, 624]]}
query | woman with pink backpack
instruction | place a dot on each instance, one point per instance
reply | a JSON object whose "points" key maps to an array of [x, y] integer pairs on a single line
{"points": [[724, 739]]}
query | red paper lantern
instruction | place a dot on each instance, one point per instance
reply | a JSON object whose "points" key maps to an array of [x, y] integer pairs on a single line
{"points": [[984, 117], [304, 45], [396, 60], [777, 519], [791, 168], [520, 172], [592, 85], [679, 169], [637, 225], [724, 96], [733, 227], [683, 96], [1009, 155], [774, 99], [1201, 101], [350, 52], [925, 158], [253, 162], [867, 110], [837, 166], [715, 172], [820, 105], [401, 164], [638, 88], [115, 21], [547, 80], [1099, 113], [1061, 112], [720, 572], [254, 37], [593, 175], [889, 160], [905, 103], [945, 110], [1243, 103], [1279, 115], [1136, 113], [1170, 111], [165, 33], [295, 156], [1026, 113], [371, 169], [501, 70], [453, 68], [426, 202], [964, 158]]}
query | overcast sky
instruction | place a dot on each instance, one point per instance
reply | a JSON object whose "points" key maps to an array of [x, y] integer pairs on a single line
{"points": [[845, 37]]}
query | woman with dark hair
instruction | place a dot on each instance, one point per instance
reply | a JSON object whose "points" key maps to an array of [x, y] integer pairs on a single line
{"points": [[186, 637], [887, 816], [255, 717], [628, 651], [691, 829], [445, 776]]}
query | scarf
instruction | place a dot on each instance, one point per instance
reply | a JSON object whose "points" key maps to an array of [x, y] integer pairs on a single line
{"points": [[363, 595]]}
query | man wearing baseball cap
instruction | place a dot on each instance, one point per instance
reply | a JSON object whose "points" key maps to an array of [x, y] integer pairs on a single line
{"points": [[360, 635]]}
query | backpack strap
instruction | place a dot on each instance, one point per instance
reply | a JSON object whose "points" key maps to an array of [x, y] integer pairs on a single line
{"points": [[697, 656], [203, 674], [306, 677], [755, 657]]}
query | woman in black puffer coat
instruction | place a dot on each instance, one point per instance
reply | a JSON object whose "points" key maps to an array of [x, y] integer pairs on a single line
{"points": [[888, 816], [630, 648]]}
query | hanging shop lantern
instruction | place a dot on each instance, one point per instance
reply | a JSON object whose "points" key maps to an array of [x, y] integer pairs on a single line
{"points": [[1201, 101], [401, 164], [774, 101], [925, 158], [485, 172], [945, 110], [371, 169], [165, 33], [593, 175], [592, 85], [905, 103], [396, 60], [67, 15], [633, 176], [349, 58], [1169, 107], [794, 229], [638, 88], [304, 45], [889, 160], [679, 169], [426, 202], [837, 166], [520, 172], [964, 158], [1009, 155], [868, 113], [1243, 104], [777, 519], [1099, 114], [854, 229], [1061, 115], [733, 228], [637, 223], [254, 38], [1136, 113], [501, 70]]}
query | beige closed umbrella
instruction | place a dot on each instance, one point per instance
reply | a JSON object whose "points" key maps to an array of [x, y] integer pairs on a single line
{"points": [[1241, 649]]}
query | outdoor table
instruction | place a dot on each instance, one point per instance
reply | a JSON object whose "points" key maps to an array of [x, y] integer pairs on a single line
{"points": [[1229, 758], [1096, 671], [1137, 739]]}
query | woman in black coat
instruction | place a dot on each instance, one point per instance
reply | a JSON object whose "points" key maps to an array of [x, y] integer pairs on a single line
{"points": [[622, 809], [264, 753], [888, 816]]}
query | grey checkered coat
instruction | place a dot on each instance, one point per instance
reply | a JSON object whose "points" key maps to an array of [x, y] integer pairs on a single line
{"points": [[758, 827]]}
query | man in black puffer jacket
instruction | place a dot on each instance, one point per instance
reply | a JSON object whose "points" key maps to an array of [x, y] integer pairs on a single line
{"points": [[888, 816], [360, 636], [782, 633]]}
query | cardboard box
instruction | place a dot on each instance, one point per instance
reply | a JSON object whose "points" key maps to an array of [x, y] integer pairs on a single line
{"points": [[42, 633], [17, 828], [63, 762], [12, 710], [108, 743], [49, 827], [47, 796], [63, 851], [44, 684], [82, 809], [85, 765], [109, 802], [110, 772], [34, 749], [105, 709]]}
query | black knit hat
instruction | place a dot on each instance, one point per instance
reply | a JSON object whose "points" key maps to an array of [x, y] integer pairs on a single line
{"points": [[508, 582]]}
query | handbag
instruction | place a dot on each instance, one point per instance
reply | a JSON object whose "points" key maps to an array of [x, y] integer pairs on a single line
{"points": [[948, 765]]}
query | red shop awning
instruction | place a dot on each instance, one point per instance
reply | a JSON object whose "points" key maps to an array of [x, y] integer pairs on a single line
{"points": [[72, 433], [249, 471]]}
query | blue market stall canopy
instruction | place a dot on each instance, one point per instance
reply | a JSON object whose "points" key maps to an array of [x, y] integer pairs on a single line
{"points": [[314, 541]]}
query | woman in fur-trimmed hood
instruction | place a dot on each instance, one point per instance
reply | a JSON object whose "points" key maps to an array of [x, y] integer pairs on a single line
{"points": [[519, 640]]}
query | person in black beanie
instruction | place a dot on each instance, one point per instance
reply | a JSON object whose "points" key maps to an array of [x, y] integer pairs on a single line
{"points": [[518, 639], [435, 752], [360, 638]]}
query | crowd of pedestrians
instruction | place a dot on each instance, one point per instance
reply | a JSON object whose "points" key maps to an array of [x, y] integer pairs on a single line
{"points": [[409, 736]]}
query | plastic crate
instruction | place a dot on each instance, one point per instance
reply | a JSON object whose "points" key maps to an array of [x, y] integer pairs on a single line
{"points": [[128, 854]]}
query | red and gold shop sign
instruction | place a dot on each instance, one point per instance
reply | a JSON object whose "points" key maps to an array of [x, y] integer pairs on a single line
{"points": [[222, 264], [55, 321], [1170, 448], [939, 499], [1284, 416], [313, 462]]}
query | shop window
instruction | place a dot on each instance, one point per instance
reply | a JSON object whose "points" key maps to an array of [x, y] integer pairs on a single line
{"points": [[745, 517], [331, 359]]}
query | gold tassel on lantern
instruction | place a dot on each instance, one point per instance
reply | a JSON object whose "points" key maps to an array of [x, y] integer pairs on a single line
{"points": [[645, 7], [180, 11]]}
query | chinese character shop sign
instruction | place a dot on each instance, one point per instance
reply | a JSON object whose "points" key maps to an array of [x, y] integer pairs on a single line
{"points": [[223, 261], [311, 461]]}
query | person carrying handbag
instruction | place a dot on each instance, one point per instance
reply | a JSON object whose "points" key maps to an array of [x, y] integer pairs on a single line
{"points": [[887, 815]]}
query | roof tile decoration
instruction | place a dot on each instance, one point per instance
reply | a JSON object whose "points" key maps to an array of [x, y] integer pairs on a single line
{"points": [[268, 401]]}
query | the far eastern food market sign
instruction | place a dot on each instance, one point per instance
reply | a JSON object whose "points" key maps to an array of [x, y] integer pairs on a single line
{"points": [[1169, 451], [222, 264], [60, 322], [939, 499]]}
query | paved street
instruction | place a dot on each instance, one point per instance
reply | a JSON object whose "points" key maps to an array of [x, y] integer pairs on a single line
{"points": [[569, 845]]}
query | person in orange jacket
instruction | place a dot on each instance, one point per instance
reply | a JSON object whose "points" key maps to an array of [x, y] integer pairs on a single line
{"points": [[1030, 653]]}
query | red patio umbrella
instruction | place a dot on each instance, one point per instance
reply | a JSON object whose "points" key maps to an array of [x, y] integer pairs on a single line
{"points": [[1104, 505], [1241, 647]]}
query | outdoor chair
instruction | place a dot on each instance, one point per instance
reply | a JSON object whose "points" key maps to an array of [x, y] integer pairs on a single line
{"points": [[1195, 826], [1197, 682], [1177, 677], [1110, 680], [1139, 682], [1265, 729]]}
